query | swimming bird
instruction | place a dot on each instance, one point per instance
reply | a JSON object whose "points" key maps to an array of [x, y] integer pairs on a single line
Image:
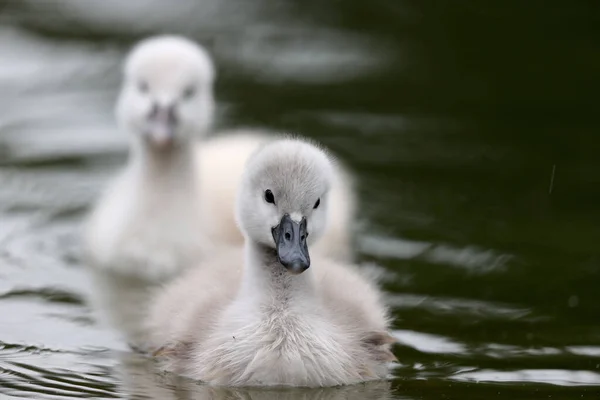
{"points": [[147, 227], [273, 313]]}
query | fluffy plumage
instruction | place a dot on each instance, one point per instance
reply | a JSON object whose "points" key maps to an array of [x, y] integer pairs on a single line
{"points": [[147, 227], [242, 319]]}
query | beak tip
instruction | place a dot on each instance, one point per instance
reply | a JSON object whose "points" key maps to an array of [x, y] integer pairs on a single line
{"points": [[297, 267], [161, 127]]}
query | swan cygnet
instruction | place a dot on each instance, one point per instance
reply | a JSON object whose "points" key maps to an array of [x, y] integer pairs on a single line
{"points": [[147, 226], [272, 314], [228, 153]]}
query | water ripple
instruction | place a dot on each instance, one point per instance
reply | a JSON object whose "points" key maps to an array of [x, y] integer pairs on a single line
{"points": [[554, 377], [472, 258]]}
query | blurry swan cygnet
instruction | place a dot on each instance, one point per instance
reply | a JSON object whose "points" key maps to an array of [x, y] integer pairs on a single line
{"points": [[173, 202], [273, 314]]}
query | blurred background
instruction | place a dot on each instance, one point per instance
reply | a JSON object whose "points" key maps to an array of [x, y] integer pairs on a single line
{"points": [[472, 127]]}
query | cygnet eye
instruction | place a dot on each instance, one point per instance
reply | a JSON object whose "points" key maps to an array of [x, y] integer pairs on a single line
{"points": [[317, 203], [143, 87], [189, 92], [269, 198]]}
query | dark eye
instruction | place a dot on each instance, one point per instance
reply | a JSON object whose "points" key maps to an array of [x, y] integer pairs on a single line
{"points": [[317, 203], [189, 92], [143, 87], [269, 198]]}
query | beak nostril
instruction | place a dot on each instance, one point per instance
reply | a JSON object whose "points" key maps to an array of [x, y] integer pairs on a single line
{"points": [[288, 236]]}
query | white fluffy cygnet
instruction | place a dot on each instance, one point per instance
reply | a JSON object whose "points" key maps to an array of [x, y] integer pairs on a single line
{"points": [[275, 313], [147, 226], [173, 203]]}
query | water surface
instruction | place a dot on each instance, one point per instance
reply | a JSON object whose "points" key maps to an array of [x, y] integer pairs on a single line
{"points": [[472, 129]]}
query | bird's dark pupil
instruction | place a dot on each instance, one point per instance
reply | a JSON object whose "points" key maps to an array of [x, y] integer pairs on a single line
{"points": [[317, 203], [269, 196]]}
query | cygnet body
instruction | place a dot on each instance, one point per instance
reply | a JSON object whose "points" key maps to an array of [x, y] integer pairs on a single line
{"points": [[275, 314], [165, 103]]}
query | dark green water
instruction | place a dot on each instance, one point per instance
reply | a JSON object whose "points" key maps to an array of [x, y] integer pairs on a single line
{"points": [[472, 127]]}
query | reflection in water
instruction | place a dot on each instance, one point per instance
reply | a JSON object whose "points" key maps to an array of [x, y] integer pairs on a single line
{"points": [[269, 40], [428, 343], [551, 376], [468, 309], [30, 381], [592, 351], [140, 379], [476, 260]]}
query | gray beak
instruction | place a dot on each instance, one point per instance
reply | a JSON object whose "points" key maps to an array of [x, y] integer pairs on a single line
{"points": [[290, 239], [162, 124]]}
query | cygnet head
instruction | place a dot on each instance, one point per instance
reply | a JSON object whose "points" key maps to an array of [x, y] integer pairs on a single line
{"points": [[282, 199], [167, 91]]}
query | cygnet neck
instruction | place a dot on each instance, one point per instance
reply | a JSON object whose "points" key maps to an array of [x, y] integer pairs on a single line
{"points": [[172, 165], [266, 280]]}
